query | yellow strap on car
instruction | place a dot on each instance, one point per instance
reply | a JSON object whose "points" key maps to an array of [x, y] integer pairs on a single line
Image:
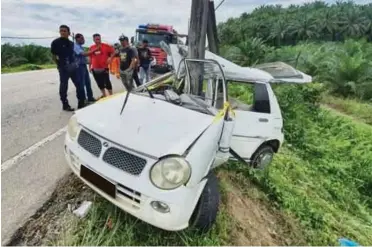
{"points": [[221, 114], [110, 97]]}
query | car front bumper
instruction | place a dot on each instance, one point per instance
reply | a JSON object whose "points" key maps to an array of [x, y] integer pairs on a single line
{"points": [[135, 197]]}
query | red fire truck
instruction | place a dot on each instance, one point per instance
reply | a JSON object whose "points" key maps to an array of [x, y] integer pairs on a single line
{"points": [[154, 34]]}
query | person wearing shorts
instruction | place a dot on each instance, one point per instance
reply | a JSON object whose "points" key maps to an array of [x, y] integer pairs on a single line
{"points": [[100, 59], [127, 63]]}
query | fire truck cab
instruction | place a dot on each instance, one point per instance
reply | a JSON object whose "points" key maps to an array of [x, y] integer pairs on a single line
{"points": [[154, 34]]}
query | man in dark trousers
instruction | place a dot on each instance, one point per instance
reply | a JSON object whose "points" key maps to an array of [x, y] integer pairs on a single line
{"points": [[135, 71], [63, 55], [82, 61], [145, 59], [127, 63]]}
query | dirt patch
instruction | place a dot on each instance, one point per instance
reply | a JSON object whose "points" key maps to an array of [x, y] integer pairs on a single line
{"points": [[51, 219], [255, 221]]}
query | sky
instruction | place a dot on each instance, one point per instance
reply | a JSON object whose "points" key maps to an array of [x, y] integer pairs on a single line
{"points": [[110, 18]]}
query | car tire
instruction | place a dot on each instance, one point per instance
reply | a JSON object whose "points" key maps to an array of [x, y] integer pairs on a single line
{"points": [[206, 210], [262, 157]]}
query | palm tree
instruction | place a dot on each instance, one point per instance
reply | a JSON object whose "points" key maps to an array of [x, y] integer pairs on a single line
{"points": [[353, 24], [313, 21], [304, 28], [328, 24], [279, 31]]}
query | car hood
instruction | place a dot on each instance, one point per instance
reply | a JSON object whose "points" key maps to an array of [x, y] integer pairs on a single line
{"points": [[150, 126]]}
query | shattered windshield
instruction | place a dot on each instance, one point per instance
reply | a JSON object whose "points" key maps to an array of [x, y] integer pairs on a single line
{"points": [[199, 86]]}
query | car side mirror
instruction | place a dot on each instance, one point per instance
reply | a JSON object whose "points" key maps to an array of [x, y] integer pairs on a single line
{"points": [[132, 40]]}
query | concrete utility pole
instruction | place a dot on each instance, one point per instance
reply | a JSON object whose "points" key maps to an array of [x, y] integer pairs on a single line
{"points": [[196, 41], [212, 29]]}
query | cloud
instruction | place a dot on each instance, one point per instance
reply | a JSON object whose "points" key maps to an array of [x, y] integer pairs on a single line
{"points": [[110, 18]]}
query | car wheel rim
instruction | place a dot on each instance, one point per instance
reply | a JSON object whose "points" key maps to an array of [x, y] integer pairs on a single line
{"points": [[264, 160]]}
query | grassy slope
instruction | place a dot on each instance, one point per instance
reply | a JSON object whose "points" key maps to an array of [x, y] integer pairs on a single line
{"points": [[356, 109], [26, 67], [326, 176]]}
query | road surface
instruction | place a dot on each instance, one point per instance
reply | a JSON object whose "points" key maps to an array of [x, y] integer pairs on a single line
{"points": [[32, 133]]}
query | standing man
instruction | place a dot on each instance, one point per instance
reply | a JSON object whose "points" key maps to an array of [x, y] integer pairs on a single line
{"points": [[100, 57], [62, 50], [127, 63], [135, 72], [145, 59], [82, 70]]}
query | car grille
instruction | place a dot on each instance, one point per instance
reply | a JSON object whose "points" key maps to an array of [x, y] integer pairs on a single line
{"points": [[124, 161], [90, 143]]}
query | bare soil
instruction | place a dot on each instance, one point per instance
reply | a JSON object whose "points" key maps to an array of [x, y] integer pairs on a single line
{"points": [[256, 221], [53, 216]]}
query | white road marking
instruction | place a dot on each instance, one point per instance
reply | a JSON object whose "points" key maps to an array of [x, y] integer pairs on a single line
{"points": [[12, 161], [28, 72]]}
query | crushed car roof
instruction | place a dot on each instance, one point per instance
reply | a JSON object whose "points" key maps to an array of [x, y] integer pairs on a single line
{"points": [[277, 72]]}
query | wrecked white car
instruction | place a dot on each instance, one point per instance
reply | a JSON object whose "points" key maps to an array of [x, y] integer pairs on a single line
{"points": [[151, 151]]}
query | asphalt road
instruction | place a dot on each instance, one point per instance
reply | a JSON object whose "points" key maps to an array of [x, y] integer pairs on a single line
{"points": [[32, 142]]}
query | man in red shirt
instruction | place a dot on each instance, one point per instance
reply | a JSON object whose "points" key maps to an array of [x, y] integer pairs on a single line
{"points": [[101, 56]]}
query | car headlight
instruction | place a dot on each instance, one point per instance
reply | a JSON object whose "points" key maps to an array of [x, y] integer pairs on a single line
{"points": [[72, 127], [170, 173]]}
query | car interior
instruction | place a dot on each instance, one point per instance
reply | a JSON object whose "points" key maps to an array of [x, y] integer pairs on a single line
{"points": [[206, 100], [211, 96]]}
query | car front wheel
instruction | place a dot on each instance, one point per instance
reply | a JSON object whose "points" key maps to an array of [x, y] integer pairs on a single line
{"points": [[205, 212]]}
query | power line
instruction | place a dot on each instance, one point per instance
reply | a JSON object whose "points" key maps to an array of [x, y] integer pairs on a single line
{"points": [[14, 37], [219, 5]]}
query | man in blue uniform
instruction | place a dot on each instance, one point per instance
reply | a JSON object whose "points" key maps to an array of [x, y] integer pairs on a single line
{"points": [[63, 55]]}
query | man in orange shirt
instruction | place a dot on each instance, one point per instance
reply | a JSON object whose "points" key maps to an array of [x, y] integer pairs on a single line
{"points": [[115, 63], [100, 59]]}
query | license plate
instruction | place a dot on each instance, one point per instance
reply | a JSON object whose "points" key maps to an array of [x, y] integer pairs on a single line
{"points": [[98, 181]]}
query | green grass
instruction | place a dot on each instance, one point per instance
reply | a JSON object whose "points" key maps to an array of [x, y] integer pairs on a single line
{"points": [[26, 67], [357, 109], [324, 177], [127, 230]]}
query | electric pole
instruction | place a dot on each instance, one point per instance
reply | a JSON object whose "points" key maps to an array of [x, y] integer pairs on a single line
{"points": [[196, 42], [212, 29]]}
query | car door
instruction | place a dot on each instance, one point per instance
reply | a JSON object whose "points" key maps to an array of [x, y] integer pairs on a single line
{"points": [[262, 121], [255, 123]]}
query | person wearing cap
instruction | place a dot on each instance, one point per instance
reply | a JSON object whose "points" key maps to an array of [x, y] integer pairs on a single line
{"points": [[83, 73], [145, 59], [127, 63], [101, 56], [63, 55]]}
